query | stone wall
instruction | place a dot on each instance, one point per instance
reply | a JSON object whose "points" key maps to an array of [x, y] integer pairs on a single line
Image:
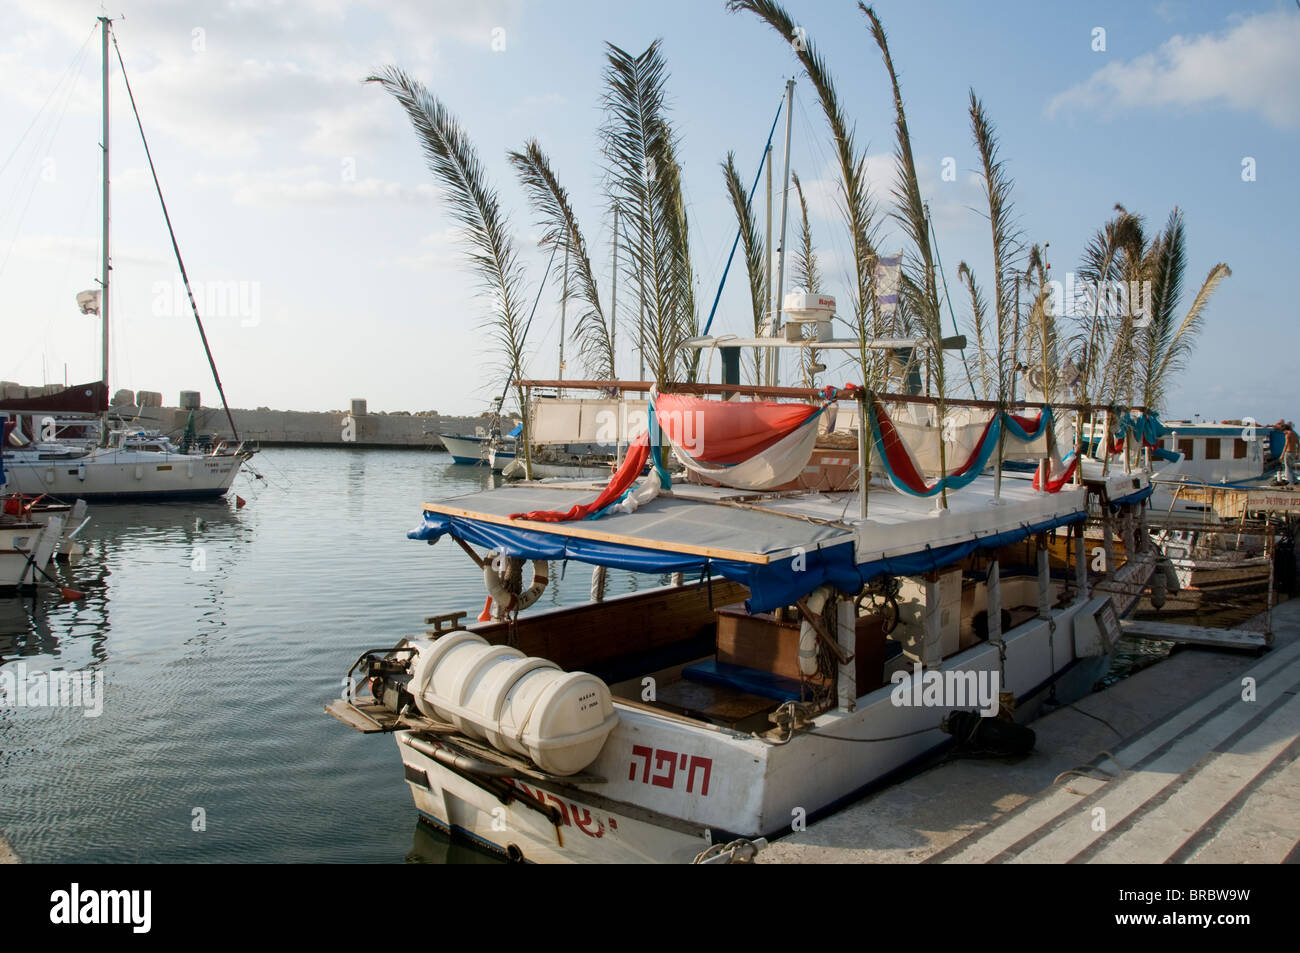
{"points": [[306, 428]]}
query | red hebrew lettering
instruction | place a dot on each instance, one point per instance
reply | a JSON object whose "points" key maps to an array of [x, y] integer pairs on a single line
{"points": [[564, 810], [707, 765], [669, 758], [584, 822], [639, 751]]}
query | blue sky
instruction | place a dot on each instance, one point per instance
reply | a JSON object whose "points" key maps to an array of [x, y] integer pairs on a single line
{"points": [[290, 180]]}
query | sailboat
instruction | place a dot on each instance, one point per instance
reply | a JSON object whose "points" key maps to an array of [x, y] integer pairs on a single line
{"points": [[126, 464]]}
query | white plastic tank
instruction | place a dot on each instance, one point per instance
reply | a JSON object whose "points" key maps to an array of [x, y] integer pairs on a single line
{"points": [[516, 703]]}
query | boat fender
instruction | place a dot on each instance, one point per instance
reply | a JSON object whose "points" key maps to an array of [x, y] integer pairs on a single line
{"points": [[497, 568], [807, 634], [1159, 588], [975, 732], [1166, 566]]}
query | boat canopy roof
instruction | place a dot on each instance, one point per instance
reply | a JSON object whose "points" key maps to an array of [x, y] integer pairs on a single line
{"points": [[782, 547]]}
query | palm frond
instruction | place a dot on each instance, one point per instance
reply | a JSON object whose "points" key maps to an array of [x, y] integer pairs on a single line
{"points": [[979, 310], [551, 202], [910, 212], [807, 275], [1180, 345], [854, 196], [643, 183], [474, 204], [751, 241], [1007, 241]]}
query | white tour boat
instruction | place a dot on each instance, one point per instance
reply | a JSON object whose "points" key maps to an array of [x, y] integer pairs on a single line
{"points": [[820, 641]]}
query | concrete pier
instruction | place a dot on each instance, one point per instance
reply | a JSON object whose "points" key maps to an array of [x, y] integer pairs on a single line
{"points": [[1192, 760]]}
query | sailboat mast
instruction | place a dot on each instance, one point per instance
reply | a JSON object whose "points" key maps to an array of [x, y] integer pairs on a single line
{"points": [[103, 298], [768, 318], [777, 309]]}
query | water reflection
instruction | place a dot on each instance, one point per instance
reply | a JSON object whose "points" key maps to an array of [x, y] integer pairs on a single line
{"points": [[221, 632], [432, 846]]}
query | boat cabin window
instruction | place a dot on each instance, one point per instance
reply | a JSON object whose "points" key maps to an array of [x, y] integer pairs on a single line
{"points": [[1239, 449], [1186, 448], [1212, 449]]}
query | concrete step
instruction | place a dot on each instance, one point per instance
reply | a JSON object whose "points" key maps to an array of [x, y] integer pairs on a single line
{"points": [[1119, 799], [1261, 830], [1058, 825], [1158, 830]]}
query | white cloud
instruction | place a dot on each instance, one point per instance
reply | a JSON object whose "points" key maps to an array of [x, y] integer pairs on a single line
{"points": [[44, 248], [1253, 67], [440, 250], [312, 186], [234, 78]]}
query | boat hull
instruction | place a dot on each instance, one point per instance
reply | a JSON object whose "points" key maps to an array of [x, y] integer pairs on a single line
{"points": [[472, 451], [110, 476], [25, 548], [673, 786]]}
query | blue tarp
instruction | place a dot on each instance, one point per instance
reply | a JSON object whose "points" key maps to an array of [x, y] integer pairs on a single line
{"points": [[519, 428], [771, 585]]}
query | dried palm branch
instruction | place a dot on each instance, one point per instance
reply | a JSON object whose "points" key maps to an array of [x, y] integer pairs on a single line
{"points": [[806, 274], [551, 202], [919, 285], [643, 183], [1169, 342], [989, 384], [751, 241], [1008, 244], [854, 196], [474, 204]]}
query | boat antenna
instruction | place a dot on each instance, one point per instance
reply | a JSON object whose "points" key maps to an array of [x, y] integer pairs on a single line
{"points": [[767, 152], [175, 247]]}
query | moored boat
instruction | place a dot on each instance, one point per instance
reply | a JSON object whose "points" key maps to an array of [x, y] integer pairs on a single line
{"points": [[472, 450], [810, 652]]}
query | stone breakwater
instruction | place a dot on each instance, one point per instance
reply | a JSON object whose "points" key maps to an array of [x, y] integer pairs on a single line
{"points": [[340, 428]]}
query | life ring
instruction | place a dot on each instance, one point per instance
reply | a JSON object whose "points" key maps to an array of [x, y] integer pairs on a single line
{"points": [[815, 602], [496, 567]]}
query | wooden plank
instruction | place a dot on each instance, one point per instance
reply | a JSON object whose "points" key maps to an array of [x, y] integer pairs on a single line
{"points": [[573, 530], [366, 722], [1194, 634]]}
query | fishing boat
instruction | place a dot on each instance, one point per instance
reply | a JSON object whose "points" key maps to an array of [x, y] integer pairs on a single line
{"points": [[28, 539], [53, 457], [1215, 495], [26, 548], [819, 642]]}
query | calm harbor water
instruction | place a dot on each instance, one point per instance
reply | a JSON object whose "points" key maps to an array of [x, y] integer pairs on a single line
{"points": [[221, 633]]}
